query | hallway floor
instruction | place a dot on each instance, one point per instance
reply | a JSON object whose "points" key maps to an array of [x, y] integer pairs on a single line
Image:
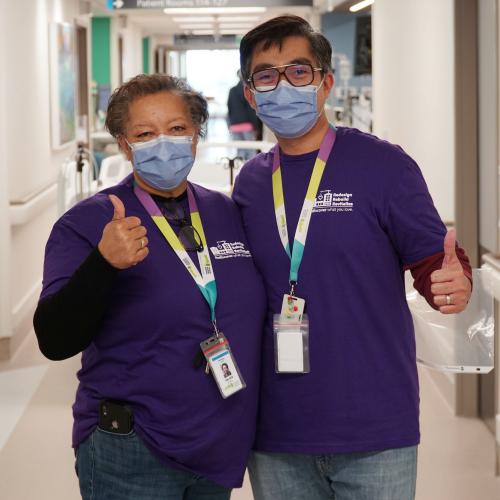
{"points": [[456, 458]]}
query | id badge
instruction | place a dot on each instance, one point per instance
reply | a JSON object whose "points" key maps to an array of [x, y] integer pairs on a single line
{"points": [[292, 308], [291, 344], [222, 365]]}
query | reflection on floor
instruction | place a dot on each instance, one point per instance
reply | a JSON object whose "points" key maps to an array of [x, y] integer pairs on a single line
{"points": [[456, 458]]}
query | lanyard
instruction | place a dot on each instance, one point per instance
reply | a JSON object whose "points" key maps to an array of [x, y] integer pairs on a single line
{"points": [[307, 208], [205, 280]]}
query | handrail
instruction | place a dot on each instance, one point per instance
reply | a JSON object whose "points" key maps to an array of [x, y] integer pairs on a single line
{"points": [[263, 145], [21, 213]]}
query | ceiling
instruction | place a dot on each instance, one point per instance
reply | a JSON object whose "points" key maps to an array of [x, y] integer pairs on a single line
{"points": [[344, 5], [154, 22]]}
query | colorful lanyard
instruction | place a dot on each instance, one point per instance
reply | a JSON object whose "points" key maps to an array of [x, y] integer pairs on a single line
{"points": [[307, 208], [205, 280]]}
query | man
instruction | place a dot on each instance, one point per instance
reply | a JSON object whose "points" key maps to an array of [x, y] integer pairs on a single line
{"points": [[347, 425], [243, 122]]}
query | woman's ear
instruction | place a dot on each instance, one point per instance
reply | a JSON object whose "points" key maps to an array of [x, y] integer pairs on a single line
{"points": [[195, 142], [124, 147]]}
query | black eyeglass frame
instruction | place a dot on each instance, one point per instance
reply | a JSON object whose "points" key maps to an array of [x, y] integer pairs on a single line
{"points": [[286, 66]]}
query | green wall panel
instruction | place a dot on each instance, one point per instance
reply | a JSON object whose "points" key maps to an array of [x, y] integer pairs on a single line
{"points": [[101, 51], [145, 55]]}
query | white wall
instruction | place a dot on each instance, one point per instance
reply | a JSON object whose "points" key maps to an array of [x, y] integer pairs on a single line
{"points": [[132, 49], [488, 125], [413, 88], [28, 165], [5, 306]]}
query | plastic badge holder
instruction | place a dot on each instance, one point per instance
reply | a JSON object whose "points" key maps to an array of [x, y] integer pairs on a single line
{"points": [[291, 345], [459, 343]]}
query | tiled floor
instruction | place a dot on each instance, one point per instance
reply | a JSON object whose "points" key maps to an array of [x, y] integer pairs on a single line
{"points": [[456, 458]]}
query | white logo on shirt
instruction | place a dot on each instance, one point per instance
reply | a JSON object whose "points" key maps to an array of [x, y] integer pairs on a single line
{"points": [[326, 201], [225, 250]]}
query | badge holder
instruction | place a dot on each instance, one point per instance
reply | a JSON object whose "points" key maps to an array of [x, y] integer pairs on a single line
{"points": [[291, 344], [221, 362]]}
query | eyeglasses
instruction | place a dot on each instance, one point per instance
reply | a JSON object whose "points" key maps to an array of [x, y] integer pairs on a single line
{"points": [[188, 235], [298, 75]]}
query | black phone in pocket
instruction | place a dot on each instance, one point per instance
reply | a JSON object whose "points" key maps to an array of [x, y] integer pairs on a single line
{"points": [[115, 417]]}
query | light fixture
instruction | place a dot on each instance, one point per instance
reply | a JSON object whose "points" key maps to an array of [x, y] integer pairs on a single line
{"points": [[214, 10], [201, 26], [361, 5], [238, 19], [238, 26], [203, 32], [194, 19], [233, 32]]}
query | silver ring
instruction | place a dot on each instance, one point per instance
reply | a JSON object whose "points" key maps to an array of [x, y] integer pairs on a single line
{"points": [[448, 300]]}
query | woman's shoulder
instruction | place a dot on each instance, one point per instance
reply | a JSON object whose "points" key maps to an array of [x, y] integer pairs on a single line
{"points": [[96, 208], [215, 198]]}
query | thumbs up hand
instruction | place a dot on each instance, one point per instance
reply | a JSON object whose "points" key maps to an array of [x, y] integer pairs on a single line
{"points": [[123, 243], [450, 287]]}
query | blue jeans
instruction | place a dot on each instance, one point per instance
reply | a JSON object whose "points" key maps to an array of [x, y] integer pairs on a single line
{"points": [[385, 475], [120, 467]]}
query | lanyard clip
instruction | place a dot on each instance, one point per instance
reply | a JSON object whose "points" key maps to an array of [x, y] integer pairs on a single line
{"points": [[216, 330], [293, 284]]}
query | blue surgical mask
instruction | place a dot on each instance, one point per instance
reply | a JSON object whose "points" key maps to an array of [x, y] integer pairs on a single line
{"points": [[289, 111], [164, 162]]}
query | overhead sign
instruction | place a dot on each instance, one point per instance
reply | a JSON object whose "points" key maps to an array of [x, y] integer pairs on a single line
{"points": [[171, 4]]}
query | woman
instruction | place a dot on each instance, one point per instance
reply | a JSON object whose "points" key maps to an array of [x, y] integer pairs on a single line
{"points": [[142, 278]]}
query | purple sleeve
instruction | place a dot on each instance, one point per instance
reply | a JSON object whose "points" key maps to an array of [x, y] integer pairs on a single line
{"points": [[72, 239], [410, 217]]}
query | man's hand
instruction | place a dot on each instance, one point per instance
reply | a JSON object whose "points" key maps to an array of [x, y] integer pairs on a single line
{"points": [[450, 287], [123, 243]]}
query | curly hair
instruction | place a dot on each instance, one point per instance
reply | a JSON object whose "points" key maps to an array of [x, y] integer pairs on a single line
{"points": [[141, 85]]}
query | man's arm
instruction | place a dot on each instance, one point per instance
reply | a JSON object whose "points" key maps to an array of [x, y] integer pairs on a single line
{"points": [[444, 274]]}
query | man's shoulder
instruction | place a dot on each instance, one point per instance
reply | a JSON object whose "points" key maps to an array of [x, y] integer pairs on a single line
{"points": [[259, 166], [368, 142], [372, 154]]}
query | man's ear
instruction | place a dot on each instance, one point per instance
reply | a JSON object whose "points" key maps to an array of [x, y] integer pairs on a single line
{"points": [[328, 83], [249, 96], [124, 147]]}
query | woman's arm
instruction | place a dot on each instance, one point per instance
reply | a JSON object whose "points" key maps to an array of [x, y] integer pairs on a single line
{"points": [[67, 321]]}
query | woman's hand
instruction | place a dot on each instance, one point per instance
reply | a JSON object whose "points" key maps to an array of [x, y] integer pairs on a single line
{"points": [[123, 243]]}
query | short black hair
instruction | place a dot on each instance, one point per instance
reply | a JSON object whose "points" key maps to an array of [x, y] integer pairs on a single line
{"points": [[274, 31], [141, 85]]}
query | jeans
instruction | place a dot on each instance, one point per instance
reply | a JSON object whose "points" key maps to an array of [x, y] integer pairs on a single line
{"points": [[385, 475], [120, 467]]}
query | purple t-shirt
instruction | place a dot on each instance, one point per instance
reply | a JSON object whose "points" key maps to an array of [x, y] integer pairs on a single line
{"points": [[373, 214], [143, 353]]}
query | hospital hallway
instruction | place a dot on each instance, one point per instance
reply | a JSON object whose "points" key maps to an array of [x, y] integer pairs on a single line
{"points": [[417, 78], [455, 459]]}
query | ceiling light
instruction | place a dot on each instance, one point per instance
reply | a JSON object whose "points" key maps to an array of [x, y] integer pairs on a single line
{"points": [[240, 26], [194, 19], [196, 26], [233, 32], [361, 5], [215, 10], [237, 19], [203, 32]]}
